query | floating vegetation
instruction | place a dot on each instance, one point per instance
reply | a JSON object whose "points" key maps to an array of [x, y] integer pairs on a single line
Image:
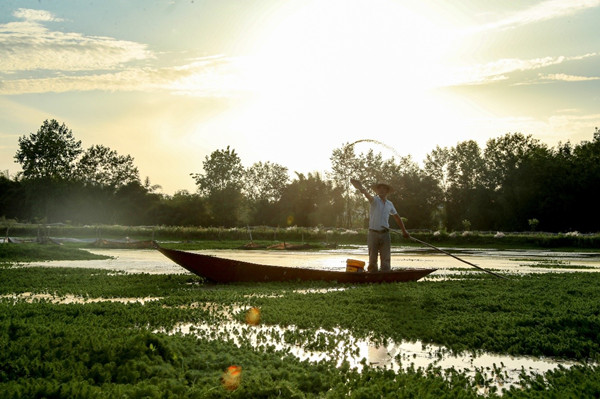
{"points": [[105, 346], [30, 252]]}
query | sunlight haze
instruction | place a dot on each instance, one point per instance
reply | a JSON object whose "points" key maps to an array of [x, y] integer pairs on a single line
{"points": [[169, 82]]}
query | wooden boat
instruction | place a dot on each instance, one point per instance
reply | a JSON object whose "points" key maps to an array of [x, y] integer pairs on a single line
{"points": [[220, 270]]}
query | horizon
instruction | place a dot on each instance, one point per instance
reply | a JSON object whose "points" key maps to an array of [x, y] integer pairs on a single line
{"points": [[169, 82]]}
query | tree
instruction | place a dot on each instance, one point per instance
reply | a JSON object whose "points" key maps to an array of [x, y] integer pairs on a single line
{"points": [[310, 201], [505, 154], [585, 175], [134, 205], [101, 166], [345, 166], [182, 209], [515, 175], [222, 185], [11, 198], [465, 165], [436, 169], [416, 198], [368, 168], [265, 181], [264, 184], [223, 169], [48, 154]]}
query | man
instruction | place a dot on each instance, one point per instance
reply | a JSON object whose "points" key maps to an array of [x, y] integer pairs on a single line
{"points": [[378, 239]]}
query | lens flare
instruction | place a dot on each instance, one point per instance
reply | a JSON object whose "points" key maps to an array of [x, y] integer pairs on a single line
{"points": [[232, 377], [253, 316]]}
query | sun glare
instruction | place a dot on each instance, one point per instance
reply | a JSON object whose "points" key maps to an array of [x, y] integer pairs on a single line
{"points": [[339, 71], [349, 47]]}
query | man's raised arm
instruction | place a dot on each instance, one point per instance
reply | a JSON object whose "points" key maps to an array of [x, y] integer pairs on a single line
{"points": [[358, 185]]}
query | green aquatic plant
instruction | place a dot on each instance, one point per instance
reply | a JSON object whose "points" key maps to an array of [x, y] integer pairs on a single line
{"points": [[108, 349], [30, 252]]}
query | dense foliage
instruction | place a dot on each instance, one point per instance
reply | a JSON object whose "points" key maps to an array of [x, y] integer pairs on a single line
{"points": [[90, 349], [515, 183]]}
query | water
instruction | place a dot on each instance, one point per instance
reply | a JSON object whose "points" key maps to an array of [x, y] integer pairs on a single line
{"points": [[509, 261]]}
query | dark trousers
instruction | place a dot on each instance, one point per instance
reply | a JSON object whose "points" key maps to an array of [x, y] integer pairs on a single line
{"points": [[379, 244]]}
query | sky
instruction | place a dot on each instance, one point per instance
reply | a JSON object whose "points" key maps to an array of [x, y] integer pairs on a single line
{"points": [[170, 81]]}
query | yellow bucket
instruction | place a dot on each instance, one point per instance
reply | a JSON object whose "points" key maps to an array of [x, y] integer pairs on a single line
{"points": [[354, 266]]}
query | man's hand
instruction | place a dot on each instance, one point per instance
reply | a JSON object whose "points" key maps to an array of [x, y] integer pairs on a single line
{"points": [[357, 184]]}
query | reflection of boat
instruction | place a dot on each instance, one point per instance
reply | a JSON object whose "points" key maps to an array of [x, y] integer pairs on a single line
{"points": [[100, 243], [222, 270]]}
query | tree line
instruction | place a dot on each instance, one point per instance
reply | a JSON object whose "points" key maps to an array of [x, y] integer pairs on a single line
{"points": [[514, 183]]}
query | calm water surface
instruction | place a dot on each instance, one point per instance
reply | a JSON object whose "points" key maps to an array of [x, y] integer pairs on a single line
{"points": [[510, 261]]}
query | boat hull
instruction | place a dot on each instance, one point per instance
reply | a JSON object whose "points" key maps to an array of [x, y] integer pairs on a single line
{"points": [[222, 270]]}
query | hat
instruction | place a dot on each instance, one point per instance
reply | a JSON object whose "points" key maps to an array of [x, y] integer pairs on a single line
{"points": [[378, 184]]}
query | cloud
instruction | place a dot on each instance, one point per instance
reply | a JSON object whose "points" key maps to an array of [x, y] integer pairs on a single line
{"points": [[35, 15], [29, 46], [35, 59], [498, 70], [567, 78], [543, 11], [214, 76]]}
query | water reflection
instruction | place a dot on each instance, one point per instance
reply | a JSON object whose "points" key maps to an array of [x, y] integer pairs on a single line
{"points": [[499, 371]]}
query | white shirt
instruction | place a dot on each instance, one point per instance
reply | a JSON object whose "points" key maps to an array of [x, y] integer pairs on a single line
{"points": [[380, 213]]}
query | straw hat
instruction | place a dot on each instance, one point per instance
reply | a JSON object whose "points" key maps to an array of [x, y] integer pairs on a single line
{"points": [[384, 184]]}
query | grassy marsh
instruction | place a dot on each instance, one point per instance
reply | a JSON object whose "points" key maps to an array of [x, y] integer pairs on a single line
{"points": [[105, 349], [31, 252]]}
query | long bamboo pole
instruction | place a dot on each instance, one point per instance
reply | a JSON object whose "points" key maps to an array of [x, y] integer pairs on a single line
{"points": [[454, 256]]}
